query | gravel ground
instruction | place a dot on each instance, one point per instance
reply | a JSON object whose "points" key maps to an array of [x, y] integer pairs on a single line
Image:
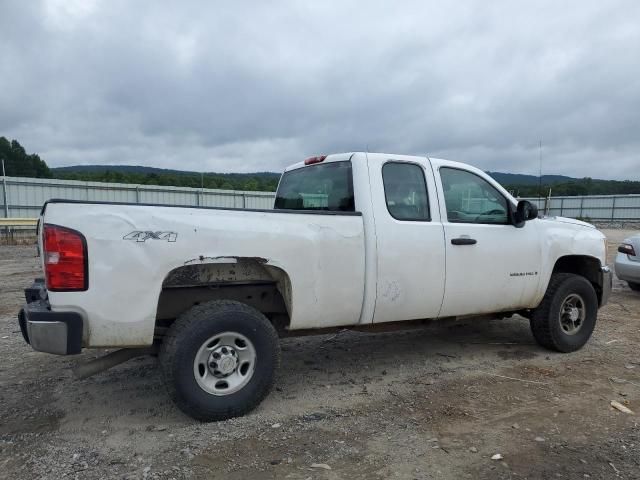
{"points": [[437, 402]]}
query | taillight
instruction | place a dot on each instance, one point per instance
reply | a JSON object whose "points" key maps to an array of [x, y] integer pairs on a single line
{"points": [[312, 160], [65, 259], [627, 249]]}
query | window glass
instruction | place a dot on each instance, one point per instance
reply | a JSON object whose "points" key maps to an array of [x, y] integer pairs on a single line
{"points": [[405, 191], [327, 186], [471, 199]]}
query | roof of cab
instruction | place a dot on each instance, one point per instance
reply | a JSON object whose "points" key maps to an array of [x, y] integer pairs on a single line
{"points": [[342, 157]]}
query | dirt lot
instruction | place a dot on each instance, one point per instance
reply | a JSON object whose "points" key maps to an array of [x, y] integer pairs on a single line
{"points": [[432, 403]]}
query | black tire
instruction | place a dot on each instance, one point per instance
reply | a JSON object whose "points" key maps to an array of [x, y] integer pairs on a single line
{"points": [[634, 286], [545, 320], [189, 333]]}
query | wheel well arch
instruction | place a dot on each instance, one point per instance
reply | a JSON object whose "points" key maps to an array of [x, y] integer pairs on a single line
{"points": [[585, 266], [250, 280]]}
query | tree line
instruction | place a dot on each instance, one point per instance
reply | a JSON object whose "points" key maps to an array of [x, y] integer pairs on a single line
{"points": [[577, 187], [223, 181], [18, 163]]}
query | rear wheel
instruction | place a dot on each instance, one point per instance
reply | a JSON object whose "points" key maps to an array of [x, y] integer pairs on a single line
{"points": [[634, 286], [219, 359], [566, 317]]}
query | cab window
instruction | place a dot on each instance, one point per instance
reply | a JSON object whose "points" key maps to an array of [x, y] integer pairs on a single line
{"points": [[405, 191], [471, 199]]}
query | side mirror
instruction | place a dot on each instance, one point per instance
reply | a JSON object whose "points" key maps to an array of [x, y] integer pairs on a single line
{"points": [[524, 211]]}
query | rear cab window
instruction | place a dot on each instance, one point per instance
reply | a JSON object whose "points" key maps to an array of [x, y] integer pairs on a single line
{"points": [[405, 190], [324, 186]]}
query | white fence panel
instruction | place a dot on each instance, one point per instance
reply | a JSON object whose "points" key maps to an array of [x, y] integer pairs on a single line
{"points": [[595, 207], [27, 195]]}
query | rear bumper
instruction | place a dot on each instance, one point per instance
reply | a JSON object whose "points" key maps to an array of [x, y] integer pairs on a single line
{"points": [[607, 284], [47, 331]]}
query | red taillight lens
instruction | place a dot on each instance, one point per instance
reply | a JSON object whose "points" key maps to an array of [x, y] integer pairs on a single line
{"points": [[312, 160], [65, 259], [628, 249]]}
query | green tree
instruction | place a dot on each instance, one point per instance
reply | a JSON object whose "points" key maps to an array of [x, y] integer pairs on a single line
{"points": [[20, 164]]}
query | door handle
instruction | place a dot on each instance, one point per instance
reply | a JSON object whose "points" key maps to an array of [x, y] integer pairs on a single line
{"points": [[463, 241]]}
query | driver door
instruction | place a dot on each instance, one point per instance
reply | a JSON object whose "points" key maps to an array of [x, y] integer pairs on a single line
{"points": [[491, 265]]}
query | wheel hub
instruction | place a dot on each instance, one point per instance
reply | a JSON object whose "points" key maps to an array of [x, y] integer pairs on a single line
{"points": [[574, 314], [223, 361]]}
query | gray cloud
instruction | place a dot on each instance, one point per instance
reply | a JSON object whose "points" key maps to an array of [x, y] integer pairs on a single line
{"points": [[246, 87]]}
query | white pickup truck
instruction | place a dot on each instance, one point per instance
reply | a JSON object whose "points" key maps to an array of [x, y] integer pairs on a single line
{"points": [[355, 240]]}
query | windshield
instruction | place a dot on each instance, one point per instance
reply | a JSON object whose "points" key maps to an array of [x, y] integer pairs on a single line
{"points": [[327, 186]]}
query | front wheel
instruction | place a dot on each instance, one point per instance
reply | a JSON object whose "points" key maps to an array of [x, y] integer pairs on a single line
{"points": [[566, 317], [218, 360], [634, 286]]}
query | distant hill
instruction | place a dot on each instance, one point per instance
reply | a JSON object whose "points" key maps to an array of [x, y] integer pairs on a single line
{"points": [[519, 184], [21, 164], [516, 179], [531, 185], [259, 181], [511, 179], [140, 169]]}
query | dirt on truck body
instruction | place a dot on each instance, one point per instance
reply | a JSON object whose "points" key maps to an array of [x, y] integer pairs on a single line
{"points": [[437, 402]]}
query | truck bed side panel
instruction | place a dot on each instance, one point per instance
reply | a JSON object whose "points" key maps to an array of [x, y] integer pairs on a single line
{"points": [[323, 255]]}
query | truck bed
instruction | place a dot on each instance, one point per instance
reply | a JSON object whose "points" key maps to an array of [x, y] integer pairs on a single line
{"points": [[318, 259]]}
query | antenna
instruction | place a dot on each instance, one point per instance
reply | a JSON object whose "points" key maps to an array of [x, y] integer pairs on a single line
{"points": [[540, 172]]}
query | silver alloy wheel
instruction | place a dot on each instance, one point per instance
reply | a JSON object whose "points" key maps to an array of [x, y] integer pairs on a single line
{"points": [[224, 363], [572, 314]]}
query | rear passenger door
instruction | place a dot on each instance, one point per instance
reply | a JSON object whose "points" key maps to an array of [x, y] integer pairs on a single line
{"points": [[410, 239]]}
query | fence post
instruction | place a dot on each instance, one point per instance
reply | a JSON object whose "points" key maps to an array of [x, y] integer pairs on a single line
{"points": [[613, 209], [581, 204], [561, 205], [244, 200], [547, 206], [5, 196], [137, 193]]}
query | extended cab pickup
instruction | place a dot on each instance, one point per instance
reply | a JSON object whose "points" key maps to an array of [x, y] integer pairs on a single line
{"points": [[354, 240]]}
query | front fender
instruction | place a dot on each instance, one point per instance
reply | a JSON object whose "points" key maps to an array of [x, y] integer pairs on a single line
{"points": [[566, 246]]}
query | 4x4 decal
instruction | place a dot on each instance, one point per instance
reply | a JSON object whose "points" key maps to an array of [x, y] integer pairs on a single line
{"points": [[140, 236]]}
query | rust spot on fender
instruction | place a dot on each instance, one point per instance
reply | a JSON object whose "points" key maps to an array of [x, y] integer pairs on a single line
{"points": [[212, 270]]}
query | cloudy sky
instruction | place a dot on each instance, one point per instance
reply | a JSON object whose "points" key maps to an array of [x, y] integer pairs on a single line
{"points": [[254, 86]]}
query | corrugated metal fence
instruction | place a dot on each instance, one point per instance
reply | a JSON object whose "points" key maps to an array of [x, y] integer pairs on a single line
{"points": [[26, 195], [593, 207]]}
